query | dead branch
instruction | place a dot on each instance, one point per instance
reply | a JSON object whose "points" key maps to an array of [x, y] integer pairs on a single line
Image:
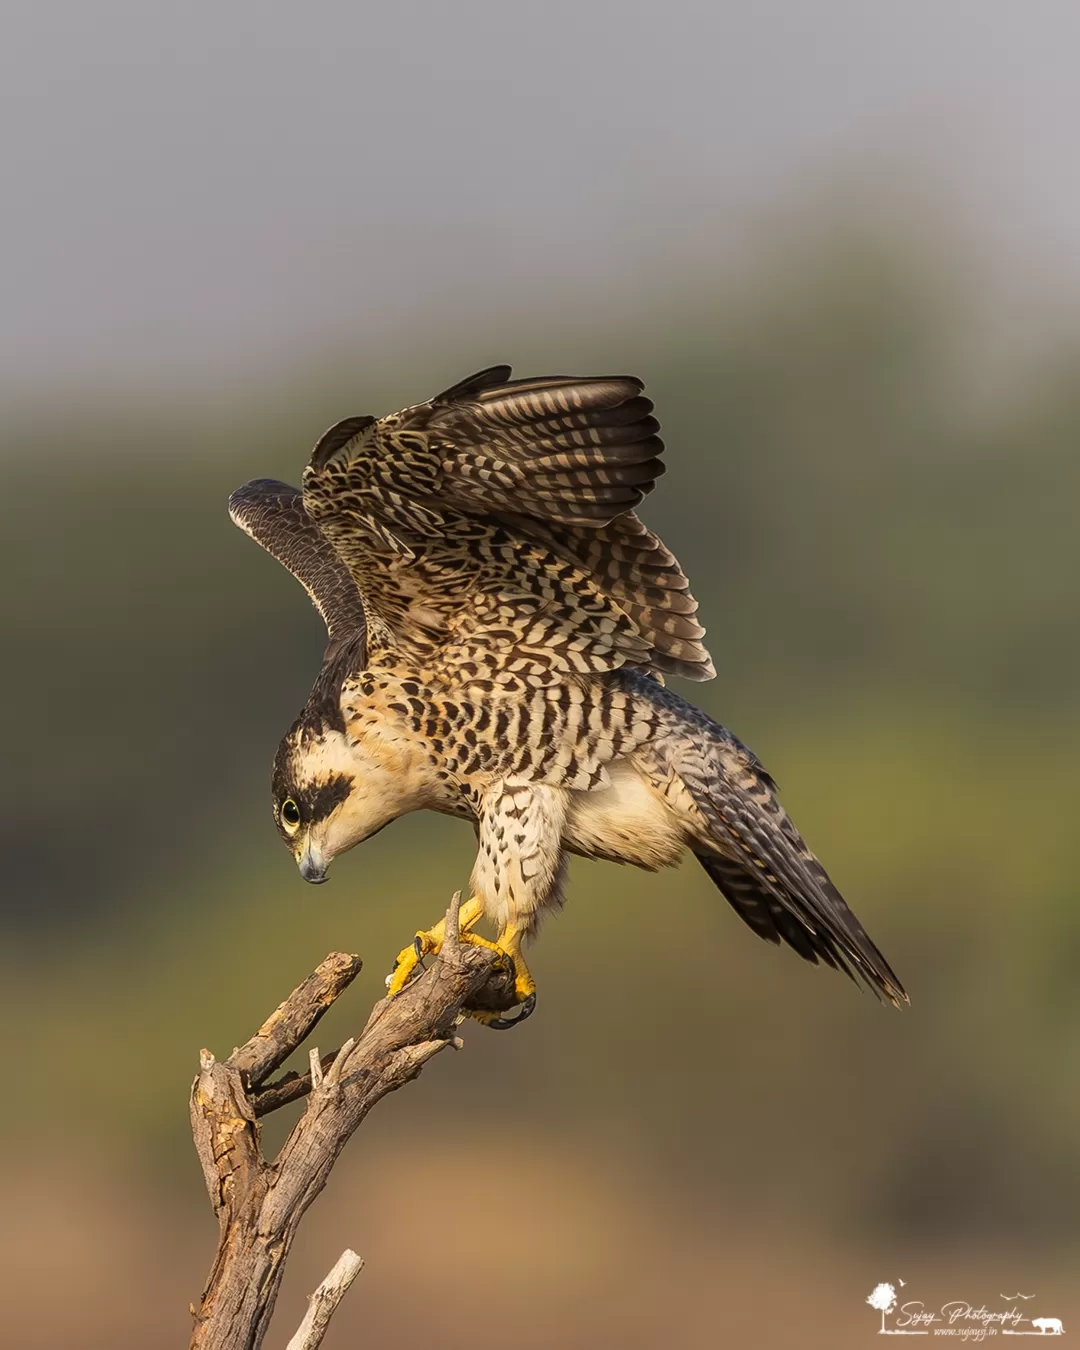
{"points": [[260, 1203], [324, 1301]]}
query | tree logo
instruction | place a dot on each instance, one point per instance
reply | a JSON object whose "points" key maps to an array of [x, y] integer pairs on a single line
{"points": [[883, 1298]]}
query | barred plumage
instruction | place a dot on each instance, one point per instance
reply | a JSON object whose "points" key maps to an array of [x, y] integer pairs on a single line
{"points": [[499, 621], [490, 528]]}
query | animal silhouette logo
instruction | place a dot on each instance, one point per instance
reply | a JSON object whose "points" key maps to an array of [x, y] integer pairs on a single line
{"points": [[1040, 1326]]}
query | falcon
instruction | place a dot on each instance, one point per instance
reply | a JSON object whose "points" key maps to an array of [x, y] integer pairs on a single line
{"points": [[500, 627]]}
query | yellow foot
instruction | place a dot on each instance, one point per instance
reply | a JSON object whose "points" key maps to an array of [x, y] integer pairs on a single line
{"points": [[410, 960]]}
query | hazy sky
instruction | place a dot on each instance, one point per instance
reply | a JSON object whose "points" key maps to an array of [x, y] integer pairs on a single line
{"points": [[192, 190]]}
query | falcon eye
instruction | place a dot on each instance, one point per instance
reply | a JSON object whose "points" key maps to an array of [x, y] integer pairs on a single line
{"points": [[290, 815]]}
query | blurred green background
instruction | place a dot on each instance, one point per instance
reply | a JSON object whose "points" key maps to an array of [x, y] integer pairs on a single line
{"points": [[870, 393]]}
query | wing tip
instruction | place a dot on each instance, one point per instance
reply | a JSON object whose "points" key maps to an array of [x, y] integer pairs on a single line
{"points": [[834, 939], [472, 386], [872, 972], [859, 959], [337, 436], [890, 990], [255, 492]]}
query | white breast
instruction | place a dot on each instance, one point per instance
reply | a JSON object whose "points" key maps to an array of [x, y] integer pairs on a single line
{"points": [[626, 822]]}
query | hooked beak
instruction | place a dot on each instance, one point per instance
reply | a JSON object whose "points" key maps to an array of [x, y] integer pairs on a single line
{"points": [[312, 864]]}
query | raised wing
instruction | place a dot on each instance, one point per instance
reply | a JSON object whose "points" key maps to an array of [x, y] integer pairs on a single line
{"points": [[492, 529], [273, 514], [577, 451]]}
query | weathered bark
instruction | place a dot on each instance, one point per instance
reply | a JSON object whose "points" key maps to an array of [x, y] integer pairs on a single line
{"points": [[259, 1204]]}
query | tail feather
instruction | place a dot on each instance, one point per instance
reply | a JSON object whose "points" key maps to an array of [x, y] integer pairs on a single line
{"points": [[760, 910], [777, 886], [807, 913], [748, 844]]}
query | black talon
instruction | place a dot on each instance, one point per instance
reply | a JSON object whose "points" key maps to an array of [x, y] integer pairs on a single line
{"points": [[527, 1006]]}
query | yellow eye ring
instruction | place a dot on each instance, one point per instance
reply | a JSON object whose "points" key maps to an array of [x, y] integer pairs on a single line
{"points": [[290, 816]]}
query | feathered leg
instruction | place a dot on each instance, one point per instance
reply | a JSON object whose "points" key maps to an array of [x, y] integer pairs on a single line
{"points": [[519, 873]]}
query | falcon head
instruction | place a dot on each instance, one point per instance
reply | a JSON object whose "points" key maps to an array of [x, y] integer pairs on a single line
{"points": [[314, 784], [331, 791], [335, 788]]}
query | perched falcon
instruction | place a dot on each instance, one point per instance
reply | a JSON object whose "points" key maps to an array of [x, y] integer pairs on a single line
{"points": [[500, 624]]}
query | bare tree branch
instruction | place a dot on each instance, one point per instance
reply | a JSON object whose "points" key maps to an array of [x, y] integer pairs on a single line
{"points": [[259, 1204], [324, 1301], [295, 1019]]}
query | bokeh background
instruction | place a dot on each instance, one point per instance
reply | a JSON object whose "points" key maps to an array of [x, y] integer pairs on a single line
{"points": [[841, 242]]}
